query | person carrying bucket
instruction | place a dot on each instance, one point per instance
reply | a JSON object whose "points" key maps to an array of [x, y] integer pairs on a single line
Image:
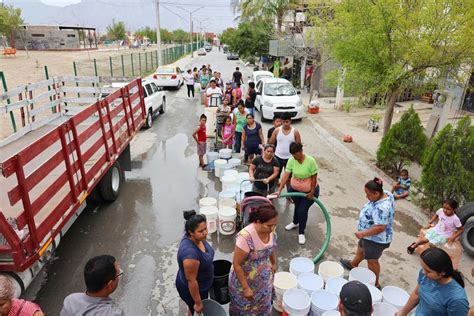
{"points": [[195, 257], [254, 264]]}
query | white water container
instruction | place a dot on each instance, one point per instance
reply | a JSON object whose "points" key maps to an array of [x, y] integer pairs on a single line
{"points": [[310, 282], [334, 285], [225, 153], [220, 165], [226, 195], [384, 309], [234, 162], [243, 176], [282, 282], [322, 301], [211, 156], [300, 265], [375, 293], [211, 217], [228, 182], [227, 216], [227, 203], [363, 275], [395, 296], [330, 269], [231, 172], [331, 313], [296, 302], [207, 201]]}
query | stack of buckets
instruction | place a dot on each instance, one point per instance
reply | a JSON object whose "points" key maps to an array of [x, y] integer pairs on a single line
{"points": [[220, 216], [302, 292]]}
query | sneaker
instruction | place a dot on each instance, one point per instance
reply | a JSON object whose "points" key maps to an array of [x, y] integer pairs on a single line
{"points": [[301, 239], [346, 264], [291, 226]]}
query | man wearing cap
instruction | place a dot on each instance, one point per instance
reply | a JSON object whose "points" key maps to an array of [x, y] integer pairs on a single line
{"points": [[355, 299]]}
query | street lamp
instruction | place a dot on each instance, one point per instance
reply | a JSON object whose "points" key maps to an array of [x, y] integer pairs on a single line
{"points": [[191, 25]]}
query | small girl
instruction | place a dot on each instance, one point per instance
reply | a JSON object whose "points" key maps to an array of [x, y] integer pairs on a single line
{"points": [[225, 108], [228, 131], [447, 229]]}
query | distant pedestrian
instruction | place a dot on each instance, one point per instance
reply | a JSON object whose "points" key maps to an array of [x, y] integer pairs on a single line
{"points": [[250, 99], [228, 94], [355, 299], [401, 189], [101, 276], [375, 228], [252, 138], [204, 78], [214, 94], [440, 290], [236, 94], [254, 265], [240, 119], [200, 137], [195, 268], [189, 79], [237, 77], [11, 306]]}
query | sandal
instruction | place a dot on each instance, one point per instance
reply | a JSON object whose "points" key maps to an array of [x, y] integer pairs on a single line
{"points": [[346, 264], [411, 249]]}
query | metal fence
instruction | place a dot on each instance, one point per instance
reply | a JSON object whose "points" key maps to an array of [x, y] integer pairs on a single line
{"points": [[133, 64]]}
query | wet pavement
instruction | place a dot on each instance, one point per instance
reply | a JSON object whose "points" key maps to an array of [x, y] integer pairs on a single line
{"points": [[143, 227]]}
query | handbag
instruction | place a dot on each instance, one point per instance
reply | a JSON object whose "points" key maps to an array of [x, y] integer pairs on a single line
{"points": [[301, 185]]}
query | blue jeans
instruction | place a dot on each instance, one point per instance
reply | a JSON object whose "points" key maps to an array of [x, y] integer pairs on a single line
{"points": [[237, 141], [251, 111], [302, 205]]}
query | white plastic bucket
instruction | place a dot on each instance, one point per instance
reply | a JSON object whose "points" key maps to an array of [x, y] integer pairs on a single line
{"points": [[243, 176], [227, 217], [330, 269], [226, 195], [334, 285], [363, 275], [211, 156], [322, 301], [300, 265], [207, 201], [375, 293], [225, 153], [296, 302], [228, 182], [231, 172], [219, 165], [282, 282], [211, 217], [310, 282], [384, 309], [227, 202], [234, 162], [395, 296], [331, 313]]}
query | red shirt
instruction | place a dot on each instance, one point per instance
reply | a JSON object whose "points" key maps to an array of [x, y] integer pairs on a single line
{"points": [[23, 308], [202, 134]]}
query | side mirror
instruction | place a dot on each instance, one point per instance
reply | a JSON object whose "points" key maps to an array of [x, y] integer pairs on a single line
{"points": [[298, 92], [259, 93]]}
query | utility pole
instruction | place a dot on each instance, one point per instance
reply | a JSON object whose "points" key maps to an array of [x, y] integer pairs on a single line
{"points": [[191, 26], [158, 34]]}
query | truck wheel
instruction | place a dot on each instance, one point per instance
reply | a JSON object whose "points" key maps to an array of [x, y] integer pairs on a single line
{"points": [[17, 283], [467, 238], [111, 183], [465, 212], [149, 119], [163, 106]]}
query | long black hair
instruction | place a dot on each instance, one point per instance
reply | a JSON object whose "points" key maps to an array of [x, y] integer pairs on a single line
{"points": [[438, 260], [193, 221]]}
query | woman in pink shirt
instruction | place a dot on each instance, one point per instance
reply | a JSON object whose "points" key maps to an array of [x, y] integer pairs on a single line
{"points": [[254, 264], [11, 306], [447, 229]]}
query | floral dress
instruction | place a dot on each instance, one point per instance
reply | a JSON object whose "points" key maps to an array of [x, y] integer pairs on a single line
{"points": [[258, 272]]}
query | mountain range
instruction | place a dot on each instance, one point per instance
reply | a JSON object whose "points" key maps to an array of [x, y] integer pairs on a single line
{"points": [[100, 13]]}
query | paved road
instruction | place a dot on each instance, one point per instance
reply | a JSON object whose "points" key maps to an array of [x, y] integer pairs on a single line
{"points": [[143, 227]]}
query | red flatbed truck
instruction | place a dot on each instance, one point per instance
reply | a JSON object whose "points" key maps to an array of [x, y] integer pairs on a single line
{"points": [[72, 143]]}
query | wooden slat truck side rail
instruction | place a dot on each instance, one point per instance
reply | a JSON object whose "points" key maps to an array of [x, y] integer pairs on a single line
{"points": [[51, 176]]}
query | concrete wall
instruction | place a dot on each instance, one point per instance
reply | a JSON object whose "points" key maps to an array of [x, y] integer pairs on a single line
{"points": [[46, 37]]}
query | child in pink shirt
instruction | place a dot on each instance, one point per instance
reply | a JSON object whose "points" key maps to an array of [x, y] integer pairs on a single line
{"points": [[447, 229], [228, 131]]}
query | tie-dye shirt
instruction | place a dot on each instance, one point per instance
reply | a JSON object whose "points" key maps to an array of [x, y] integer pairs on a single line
{"points": [[378, 213]]}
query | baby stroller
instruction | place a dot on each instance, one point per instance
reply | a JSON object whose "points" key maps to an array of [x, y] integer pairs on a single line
{"points": [[220, 121], [250, 202]]}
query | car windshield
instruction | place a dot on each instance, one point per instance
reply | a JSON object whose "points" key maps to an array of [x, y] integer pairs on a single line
{"points": [[279, 89], [260, 77], [163, 70]]}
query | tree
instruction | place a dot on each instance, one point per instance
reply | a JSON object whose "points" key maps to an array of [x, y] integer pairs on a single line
{"points": [[405, 142], [116, 31], [448, 166], [250, 38], [10, 19], [180, 36], [388, 45], [228, 35]]}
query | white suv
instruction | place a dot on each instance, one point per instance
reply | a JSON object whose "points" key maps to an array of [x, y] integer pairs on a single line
{"points": [[155, 99], [277, 95]]}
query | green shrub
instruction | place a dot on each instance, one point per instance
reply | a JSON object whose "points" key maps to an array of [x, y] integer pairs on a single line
{"points": [[448, 166], [405, 142]]}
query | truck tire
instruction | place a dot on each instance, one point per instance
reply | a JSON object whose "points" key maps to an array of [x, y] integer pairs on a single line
{"points": [[17, 283], [149, 119], [111, 183], [467, 238], [465, 212]]}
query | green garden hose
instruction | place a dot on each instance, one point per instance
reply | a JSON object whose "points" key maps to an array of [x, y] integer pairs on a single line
{"points": [[326, 216]]}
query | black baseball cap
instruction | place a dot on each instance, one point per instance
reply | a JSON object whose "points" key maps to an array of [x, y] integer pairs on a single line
{"points": [[355, 296]]}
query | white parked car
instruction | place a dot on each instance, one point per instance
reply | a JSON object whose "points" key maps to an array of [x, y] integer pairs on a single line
{"points": [[169, 76], [155, 99], [277, 95], [260, 74]]}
